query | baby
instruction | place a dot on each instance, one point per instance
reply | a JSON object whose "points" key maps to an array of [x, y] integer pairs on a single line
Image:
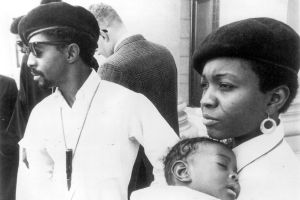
{"points": [[196, 168]]}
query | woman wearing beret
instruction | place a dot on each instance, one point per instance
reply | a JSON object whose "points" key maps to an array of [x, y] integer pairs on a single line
{"points": [[249, 77]]}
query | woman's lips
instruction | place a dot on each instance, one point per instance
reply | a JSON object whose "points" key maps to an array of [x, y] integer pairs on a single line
{"points": [[209, 120]]}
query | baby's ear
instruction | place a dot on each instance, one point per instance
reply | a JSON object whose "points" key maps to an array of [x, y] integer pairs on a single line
{"points": [[180, 171]]}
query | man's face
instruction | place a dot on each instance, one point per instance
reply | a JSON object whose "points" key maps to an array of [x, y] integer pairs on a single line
{"points": [[101, 49], [105, 45], [19, 46], [49, 65], [212, 169]]}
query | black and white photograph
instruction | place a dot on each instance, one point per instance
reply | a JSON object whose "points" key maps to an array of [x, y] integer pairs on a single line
{"points": [[150, 100]]}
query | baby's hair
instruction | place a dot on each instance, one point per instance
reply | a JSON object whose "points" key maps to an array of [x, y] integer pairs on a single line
{"points": [[181, 151]]}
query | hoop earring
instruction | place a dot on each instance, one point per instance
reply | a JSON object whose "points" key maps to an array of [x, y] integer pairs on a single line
{"points": [[265, 130]]}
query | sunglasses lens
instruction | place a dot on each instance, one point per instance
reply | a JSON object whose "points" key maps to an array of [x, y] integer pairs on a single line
{"points": [[32, 49]]}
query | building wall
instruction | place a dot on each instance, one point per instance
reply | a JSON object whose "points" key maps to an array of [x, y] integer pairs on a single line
{"points": [[291, 119], [184, 60], [7, 50], [9, 10], [234, 10]]}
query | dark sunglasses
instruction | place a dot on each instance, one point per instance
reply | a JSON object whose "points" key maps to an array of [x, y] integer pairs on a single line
{"points": [[32, 47]]}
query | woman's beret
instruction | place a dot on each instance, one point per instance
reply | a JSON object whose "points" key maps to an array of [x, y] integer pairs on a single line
{"points": [[58, 15], [261, 39]]}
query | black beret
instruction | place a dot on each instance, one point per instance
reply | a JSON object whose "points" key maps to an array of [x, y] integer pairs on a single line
{"points": [[261, 39], [49, 1], [58, 15], [14, 25]]}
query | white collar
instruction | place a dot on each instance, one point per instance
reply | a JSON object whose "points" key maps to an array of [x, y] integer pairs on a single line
{"points": [[167, 191], [251, 150], [85, 93], [121, 39]]}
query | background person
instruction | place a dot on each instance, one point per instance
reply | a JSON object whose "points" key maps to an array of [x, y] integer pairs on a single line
{"points": [[141, 66], [8, 143], [196, 168], [249, 77], [102, 122]]}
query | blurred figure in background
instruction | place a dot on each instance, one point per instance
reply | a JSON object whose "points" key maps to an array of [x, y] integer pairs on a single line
{"points": [[141, 66], [8, 143]]}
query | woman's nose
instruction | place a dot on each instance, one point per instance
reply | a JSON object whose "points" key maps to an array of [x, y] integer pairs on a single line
{"points": [[234, 177], [208, 99]]}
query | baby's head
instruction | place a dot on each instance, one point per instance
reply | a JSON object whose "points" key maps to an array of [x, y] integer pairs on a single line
{"points": [[204, 165]]}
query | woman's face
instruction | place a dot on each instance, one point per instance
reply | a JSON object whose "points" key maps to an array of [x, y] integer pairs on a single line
{"points": [[232, 104]]}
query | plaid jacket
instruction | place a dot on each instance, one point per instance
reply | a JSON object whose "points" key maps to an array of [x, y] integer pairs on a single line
{"points": [[146, 68]]}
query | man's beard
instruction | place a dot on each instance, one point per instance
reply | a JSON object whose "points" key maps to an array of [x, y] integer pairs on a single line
{"points": [[45, 84]]}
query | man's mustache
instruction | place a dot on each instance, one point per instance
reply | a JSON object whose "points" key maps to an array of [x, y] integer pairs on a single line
{"points": [[36, 72]]}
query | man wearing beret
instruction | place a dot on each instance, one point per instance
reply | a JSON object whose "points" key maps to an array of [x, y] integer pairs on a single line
{"points": [[249, 77], [82, 141]]}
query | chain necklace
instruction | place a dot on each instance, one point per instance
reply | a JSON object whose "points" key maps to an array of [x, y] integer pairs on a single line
{"points": [[69, 152]]}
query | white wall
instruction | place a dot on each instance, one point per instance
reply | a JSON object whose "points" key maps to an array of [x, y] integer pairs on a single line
{"points": [[234, 10], [9, 10], [5, 46]]}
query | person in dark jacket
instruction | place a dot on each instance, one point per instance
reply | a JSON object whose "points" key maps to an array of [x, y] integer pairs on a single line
{"points": [[8, 143]]}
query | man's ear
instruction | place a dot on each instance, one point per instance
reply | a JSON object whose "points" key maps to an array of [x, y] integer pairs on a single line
{"points": [[279, 95], [73, 52], [104, 35], [180, 171]]}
